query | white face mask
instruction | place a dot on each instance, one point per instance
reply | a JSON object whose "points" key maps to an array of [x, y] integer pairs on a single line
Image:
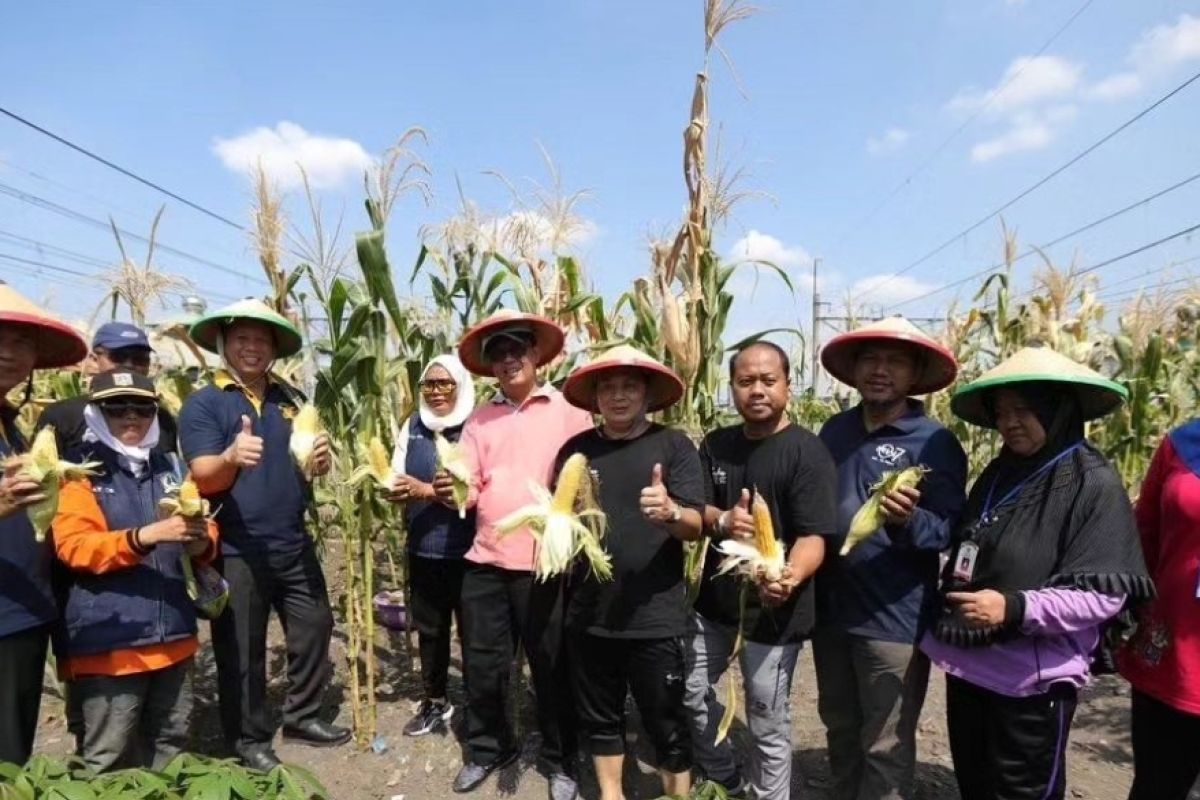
{"points": [[133, 456]]}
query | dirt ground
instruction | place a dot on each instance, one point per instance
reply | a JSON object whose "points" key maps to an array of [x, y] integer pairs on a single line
{"points": [[416, 769]]}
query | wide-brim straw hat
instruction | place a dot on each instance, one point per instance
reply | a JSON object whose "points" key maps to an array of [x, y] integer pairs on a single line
{"points": [[58, 344], [207, 329], [1097, 395], [547, 336], [938, 367], [663, 386]]}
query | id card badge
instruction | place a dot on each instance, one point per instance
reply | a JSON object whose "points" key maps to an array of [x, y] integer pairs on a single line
{"points": [[964, 561]]}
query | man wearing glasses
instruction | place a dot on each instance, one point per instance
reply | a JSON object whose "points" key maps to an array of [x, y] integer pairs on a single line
{"points": [[116, 345]]}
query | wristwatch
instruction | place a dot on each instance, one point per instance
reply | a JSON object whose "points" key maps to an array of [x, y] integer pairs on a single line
{"points": [[676, 513]]}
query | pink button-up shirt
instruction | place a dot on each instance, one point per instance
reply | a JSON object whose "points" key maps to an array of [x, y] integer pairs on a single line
{"points": [[507, 447]]}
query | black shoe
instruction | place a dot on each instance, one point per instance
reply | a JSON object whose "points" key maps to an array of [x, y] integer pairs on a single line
{"points": [[258, 756], [316, 733], [430, 716], [471, 775]]}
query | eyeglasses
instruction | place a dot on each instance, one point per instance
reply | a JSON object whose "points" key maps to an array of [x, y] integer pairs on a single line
{"points": [[507, 348], [120, 408], [127, 357], [437, 386]]}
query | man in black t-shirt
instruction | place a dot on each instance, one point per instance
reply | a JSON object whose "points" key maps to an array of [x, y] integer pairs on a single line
{"points": [[793, 472]]}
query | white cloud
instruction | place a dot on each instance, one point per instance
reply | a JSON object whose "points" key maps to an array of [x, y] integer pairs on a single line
{"points": [[888, 289], [892, 140], [1028, 81], [756, 246], [329, 161], [1157, 51], [1027, 131]]}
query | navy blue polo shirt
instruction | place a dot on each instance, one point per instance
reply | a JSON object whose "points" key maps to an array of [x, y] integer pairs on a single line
{"points": [[885, 587], [263, 511], [26, 599]]}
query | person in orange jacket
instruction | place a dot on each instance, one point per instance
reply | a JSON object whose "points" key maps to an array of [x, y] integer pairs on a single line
{"points": [[127, 632]]}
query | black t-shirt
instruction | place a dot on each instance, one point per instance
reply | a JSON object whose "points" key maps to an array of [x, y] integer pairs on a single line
{"points": [[645, 598], [796, 477], [67, 418]]}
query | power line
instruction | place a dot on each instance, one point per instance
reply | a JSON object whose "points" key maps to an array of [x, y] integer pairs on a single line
{"points": [[1142, 276], [127, 173], [1031, 189], [1082, 229], [1142, 289], [61, 252], [958, 131], [70, 213], [44, 265]]}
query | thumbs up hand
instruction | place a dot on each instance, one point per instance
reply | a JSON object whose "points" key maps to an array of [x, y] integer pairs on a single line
{"points": [[737, 521], [656, 503], [246, 450]]}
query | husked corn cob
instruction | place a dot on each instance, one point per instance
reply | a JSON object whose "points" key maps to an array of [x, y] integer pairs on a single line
{"points": [[306, 427], [871, 516], [762, 557], [764, 529], [450, 459]]}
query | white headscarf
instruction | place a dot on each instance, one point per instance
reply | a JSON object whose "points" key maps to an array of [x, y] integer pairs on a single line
{"points": [[465, 399], [132, 456]]}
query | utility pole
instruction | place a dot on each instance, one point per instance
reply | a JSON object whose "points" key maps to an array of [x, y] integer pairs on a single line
{"points": [[816, 340]]}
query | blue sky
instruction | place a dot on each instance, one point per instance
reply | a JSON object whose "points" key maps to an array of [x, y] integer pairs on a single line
{"points": [[842, 101]]}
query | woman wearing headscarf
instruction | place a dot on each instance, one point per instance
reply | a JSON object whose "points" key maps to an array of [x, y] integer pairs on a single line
{"points": [[1162, 660], [438, 537], [627, 632], [1047, 553], [29, 339], [127, 634]]}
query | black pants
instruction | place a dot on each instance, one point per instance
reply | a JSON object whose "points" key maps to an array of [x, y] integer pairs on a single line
{"points": [[293, 585], [435, 598], [500, 608], [1166, 750], [605, 669], [1009, 748], [22, 665]]}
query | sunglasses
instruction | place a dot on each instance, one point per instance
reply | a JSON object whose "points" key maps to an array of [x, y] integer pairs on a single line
{"points": [[132, 357], [437, 386], [141, 408], [507, 348]]}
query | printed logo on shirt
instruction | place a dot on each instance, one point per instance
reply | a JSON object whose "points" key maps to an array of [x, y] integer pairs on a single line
{"points": [[169, 483], [719, 476], [889, 454]]}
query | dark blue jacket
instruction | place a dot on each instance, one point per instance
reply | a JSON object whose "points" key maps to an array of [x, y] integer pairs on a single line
{"points": [[885, 587], [140, 605], [434, 530], [26, 599]]}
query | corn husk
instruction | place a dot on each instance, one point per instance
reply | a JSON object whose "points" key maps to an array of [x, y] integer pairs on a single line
{"points": [[763, 557], [306, 427], [205, 587], [566, 524], [871, 516], [377, 465], [450, 458], [42, 465]]}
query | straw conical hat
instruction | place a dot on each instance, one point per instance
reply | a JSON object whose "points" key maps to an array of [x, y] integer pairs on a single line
{"points": [[938, 368], [1097, 395], [207, 328], [663, 387], [58, 344], [548, 336]]}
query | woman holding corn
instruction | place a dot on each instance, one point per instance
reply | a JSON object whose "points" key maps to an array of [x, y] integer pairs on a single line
{"points": [[626, 632], [438, 536], [128, 630], [29, 339], [1046, 554]]}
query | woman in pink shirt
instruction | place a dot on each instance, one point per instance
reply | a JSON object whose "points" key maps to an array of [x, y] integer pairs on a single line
{"points": [[510, 443]]}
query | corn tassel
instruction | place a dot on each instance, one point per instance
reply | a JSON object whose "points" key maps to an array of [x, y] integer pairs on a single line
{"points": [[871, 516], [43, 466], [306, 427], [562, 532], [450, 459]]}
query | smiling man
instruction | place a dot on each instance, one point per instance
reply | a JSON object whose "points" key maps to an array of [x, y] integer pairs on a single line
{"points": [[873, 603]]}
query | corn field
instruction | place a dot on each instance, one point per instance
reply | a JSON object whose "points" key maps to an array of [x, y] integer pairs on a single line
{"points": [[369, 337]]}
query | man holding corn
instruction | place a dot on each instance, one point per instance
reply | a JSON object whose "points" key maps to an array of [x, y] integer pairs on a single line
{"points": [[509, 443], [874, 602], [235, 435], [29, 339], [782, 542]]}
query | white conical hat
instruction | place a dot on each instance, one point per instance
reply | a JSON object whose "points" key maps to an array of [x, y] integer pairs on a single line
{"points": [[938, 368]]}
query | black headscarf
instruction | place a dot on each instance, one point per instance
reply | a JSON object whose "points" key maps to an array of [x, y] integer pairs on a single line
{"points": [[1071, 524]]}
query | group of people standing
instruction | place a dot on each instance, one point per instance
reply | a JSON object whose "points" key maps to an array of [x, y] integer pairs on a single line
{"points": [[1015, 590]]}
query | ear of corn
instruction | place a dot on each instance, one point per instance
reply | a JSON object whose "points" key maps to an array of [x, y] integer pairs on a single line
{"points": [[562, 531], [306, 427], [377, 464], [870, 517], [42, 465], [764, 528], [762, 557], [185, 501], [450, 458]]}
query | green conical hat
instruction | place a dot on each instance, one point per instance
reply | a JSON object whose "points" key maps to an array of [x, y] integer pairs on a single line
{"points": [[206, 330], [1097, 395]]}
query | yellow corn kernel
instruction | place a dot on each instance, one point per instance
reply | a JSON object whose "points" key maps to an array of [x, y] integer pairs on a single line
{"points": [[570, 481], [764, 528]]}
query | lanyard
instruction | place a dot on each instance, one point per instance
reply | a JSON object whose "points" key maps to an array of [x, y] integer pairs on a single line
{"points": [[988, 515]]}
